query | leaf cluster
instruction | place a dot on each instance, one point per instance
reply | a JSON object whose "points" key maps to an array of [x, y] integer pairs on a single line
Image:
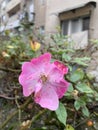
{"points": [[82, 95]]}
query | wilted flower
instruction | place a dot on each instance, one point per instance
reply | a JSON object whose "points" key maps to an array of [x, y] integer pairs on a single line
{"points": [[75, 94], [5, 54], [35, 45], [45, 80], [25, 125]]}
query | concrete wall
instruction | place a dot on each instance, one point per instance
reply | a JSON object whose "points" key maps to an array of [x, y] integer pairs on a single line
{"points": [[12, 21], [52, 19], [94, 23], [40, 13]]}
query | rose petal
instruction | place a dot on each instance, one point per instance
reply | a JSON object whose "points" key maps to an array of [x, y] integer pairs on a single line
{"points": [[28, 68], [61, 67], [47, 98], [55, 75], [60, 87], [43, 59]]}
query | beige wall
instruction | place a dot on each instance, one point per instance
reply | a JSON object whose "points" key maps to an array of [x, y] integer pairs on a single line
{"points": [[47, 14], [94, 23], [40, 13], [54, 6]]}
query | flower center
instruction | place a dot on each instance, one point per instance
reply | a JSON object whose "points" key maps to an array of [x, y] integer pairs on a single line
{"points": [[43, 78]]}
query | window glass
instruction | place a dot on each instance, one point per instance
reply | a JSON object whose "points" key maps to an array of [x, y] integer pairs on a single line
{"points": [[75, 26], [64, 26], [86, 22]]}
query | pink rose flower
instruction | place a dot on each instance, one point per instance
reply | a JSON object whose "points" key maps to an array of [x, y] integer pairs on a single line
{"points": [[45, 80]]}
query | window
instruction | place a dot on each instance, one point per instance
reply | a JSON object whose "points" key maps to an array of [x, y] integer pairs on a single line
{"points": [[86, 22], [75, 25], [14, 10], [64, 27]]}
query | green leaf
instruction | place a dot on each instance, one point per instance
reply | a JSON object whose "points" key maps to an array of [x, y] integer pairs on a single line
{"points": [[66, 57], [70, 88], [79, 103], [83, 87], [85, 111], [69, 50], [82, 61], [77, 75], [11, 128], [61, 113], [69, 127], [69, 91], [96, 96]]}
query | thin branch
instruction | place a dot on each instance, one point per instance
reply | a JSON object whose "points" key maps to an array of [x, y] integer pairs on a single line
{"points": [[9, 69], [38, 115], [6, 97], [14, 113], [22, 107], [82, 122], [19, 110]]}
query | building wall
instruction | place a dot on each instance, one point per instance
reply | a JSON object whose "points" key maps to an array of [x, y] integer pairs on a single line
{"points": [[94, 23], [40, 12], [46, 13], [54, 6], [12, 11]]}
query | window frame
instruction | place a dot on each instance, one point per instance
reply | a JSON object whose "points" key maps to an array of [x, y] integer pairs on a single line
{"points": [[80, 25]]}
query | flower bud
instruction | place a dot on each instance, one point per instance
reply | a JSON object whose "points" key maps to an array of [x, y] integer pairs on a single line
{"points": [[25, 125], [75, 94], [35, 45], [89, 123], [5, 54]]}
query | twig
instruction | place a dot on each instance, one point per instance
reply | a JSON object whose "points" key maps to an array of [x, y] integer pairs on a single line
{"points": [[75, 115], [82, 122], [14, 113], [19, 110], [9, 69], [38, 115], [6, 97]]}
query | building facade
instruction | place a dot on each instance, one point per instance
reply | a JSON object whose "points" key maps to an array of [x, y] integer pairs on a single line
{"points": [[77, 19], [13, 11]]}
